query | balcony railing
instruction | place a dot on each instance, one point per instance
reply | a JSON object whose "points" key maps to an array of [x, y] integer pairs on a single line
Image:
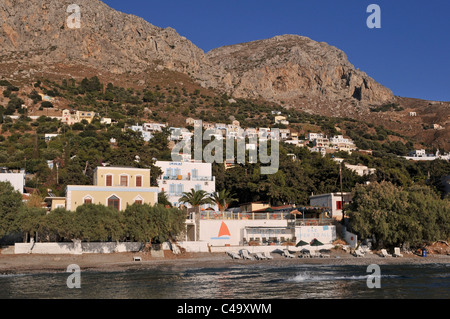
{"points": [[311, 222], [187, 178], [217, 215]]}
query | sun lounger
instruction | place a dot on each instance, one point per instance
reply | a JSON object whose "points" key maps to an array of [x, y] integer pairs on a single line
{"points": [[136, 258], [384, 253], [324, 253], [267, 255], [397, 252], [245, 254], [260, 256], [358, 253], [287, 254], [304, 253], [233, 255]]}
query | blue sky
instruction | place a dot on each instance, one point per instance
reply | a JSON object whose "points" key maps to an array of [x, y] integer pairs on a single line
{"points": [[410, 53]]}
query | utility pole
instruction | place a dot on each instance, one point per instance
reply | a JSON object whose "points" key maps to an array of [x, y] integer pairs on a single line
{"points": [[57, 173]]}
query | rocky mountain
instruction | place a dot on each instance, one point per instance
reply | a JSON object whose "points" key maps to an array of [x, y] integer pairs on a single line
{"points": [[290, 69], [36, 32]]}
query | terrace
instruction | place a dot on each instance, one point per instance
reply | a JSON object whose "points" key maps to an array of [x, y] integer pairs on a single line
{"points": [[302, 216]]}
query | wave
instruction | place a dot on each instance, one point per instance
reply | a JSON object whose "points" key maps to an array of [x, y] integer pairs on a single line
{"points": [[12, 275], [309, 277]]}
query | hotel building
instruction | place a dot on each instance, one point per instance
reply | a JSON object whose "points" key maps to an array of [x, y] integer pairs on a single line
{"points": [[179, 177], [114, 187]]}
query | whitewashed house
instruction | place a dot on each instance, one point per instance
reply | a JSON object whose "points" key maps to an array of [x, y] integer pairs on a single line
{"points": [[179, 177]]}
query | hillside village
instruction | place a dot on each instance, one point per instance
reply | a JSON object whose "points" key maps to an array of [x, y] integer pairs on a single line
{"points": [[119, 179]]}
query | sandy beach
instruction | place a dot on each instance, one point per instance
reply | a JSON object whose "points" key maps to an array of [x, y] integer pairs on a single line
{"points": [[28, 264]]}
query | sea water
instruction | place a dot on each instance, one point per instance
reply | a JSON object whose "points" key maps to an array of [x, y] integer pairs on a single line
{"points": [[424, 281]]}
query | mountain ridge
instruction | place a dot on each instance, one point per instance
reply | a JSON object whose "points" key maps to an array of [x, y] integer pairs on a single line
{"points": [[292, 71], [121, 43]]}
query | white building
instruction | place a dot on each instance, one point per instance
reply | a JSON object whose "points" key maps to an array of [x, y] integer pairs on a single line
{"points": [[154, 127], [313, 136], [179, 134], [340, 143], [270, 229], [421, 155], [285, 134], [340, 139], [147, 136], [333, 201], [49, 137], [418, 153], [321, 150], [17, 180], [361, 170], [179, 177], [106, 120], [321, 142]]}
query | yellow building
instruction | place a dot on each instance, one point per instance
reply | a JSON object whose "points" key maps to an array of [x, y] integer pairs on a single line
{"points": [[115, 187], [72, 117], [55, 202], [250, 207]]}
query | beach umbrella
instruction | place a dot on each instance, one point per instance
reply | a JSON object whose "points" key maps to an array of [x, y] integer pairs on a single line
{"points": [[301, 243], [315, 242]]}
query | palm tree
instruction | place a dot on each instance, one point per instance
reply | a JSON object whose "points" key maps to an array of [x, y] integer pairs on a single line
{"points": [[196, 198], [163, 199], [223, 199]]}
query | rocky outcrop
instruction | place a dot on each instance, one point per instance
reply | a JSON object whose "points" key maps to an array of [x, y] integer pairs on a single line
{"points": [[290, 66], [283, 68], [37, 31]]}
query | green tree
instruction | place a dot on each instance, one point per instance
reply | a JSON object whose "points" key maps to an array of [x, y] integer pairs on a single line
{"points": [[98, 223], [29, 221], [10, 205], [163, 199], [396, 216], [145, 223], [60, 225], [196, 198], [223, 199]]}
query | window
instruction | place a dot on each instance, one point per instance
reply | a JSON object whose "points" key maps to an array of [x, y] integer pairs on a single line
{"points": [[114, 202], [88, 200], [138, 181], [180, 189], [171, 189], [194, 173], [123, 180], [138, 201], [339, 204], [198, 188], [108, 180]]}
